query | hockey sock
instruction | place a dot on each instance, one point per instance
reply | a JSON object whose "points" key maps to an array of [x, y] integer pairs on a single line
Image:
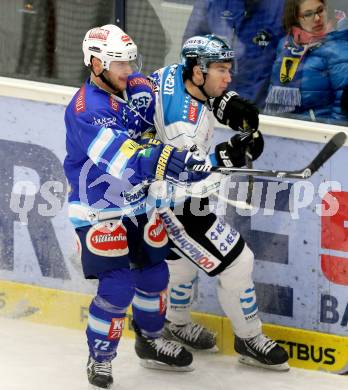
{"points": [[149, 303]]}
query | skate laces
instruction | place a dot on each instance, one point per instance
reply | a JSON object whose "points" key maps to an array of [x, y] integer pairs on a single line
{"points": [[261, 343], [189, 332], [102, 368], [166, 347]]}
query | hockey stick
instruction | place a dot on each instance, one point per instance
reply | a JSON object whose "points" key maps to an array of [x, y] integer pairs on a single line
{"points": [[249, 163], [334, 144]]}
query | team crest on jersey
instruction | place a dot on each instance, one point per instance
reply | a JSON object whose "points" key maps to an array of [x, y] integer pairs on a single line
{"points": [[108, 239], [116, 328], [155, 233]]}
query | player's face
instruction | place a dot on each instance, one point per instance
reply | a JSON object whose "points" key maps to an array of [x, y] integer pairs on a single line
{"points": [[312, 16], [218, 78], [118, 74]]}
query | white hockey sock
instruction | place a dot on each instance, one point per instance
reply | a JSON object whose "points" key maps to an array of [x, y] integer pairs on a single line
{"points": [[237, 297], [181, 290]]}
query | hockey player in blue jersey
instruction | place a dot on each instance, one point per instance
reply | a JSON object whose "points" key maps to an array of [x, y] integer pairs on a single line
{"points": [[189, 97], [107, 167]]}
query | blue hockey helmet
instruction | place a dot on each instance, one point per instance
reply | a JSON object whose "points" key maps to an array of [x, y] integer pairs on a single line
{"points": [[202, 50]]}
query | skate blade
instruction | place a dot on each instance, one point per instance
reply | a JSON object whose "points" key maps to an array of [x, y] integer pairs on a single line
{"points": [[214, 349], [274, 367], [93, 387], [155, 365]]}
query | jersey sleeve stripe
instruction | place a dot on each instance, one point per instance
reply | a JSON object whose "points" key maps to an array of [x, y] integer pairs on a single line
{"points": [[100, 143], [119, 163]]}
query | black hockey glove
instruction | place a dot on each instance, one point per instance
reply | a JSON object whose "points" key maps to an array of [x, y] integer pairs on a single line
{"points": [[232, 153], [236, 112], [344, 101]]}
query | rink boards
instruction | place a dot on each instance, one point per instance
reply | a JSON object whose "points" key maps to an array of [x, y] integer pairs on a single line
{"points": [[301, 256], [309, 350]]}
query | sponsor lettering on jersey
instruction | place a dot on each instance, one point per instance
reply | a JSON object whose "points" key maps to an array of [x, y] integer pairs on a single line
{"points": [[222, 236], [116, 328], [187, 245], [192, 111], [141, 99], [99, 33], [155, 233], [133, 196], [80, 102], [169, 82], [114, 104], [106, 122], [108, 239], [140, 81]]}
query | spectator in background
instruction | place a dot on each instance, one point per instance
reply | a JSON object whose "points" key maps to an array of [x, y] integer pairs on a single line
{"points": [[253, 29], [311, 68]]}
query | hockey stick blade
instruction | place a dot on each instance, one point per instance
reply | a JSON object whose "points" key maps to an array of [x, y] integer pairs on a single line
{"points": [[334, 144]]}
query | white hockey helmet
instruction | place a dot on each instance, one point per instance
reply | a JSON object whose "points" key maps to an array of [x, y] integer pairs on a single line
{"points": [[109, 43]]}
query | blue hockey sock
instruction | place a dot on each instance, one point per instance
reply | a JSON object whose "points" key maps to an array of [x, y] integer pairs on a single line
{"points": [[150, 300], [107, 313]]}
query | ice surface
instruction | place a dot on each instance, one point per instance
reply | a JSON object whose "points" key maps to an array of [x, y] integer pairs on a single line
{"points": [[42, 357]]}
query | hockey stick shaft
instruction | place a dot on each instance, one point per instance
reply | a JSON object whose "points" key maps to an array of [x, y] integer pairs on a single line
{"points": [[334, 144]]}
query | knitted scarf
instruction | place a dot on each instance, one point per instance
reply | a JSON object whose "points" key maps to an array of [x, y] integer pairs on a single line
{"points": [[284, 94]]}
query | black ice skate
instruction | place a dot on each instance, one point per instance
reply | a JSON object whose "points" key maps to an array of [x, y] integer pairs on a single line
{"points": [[191, 335], [161, 354], [263, 352], [99, 374]]}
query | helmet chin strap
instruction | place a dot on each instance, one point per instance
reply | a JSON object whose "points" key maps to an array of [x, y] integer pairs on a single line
{"points": [[201, 87], [105, 80]]}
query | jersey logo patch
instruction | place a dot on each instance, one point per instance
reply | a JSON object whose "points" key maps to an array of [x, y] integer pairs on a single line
{"points": [[108, 239], [80, 102], [192, 111], [222, 236], [114, 105], [155, 233], [116, 328]]}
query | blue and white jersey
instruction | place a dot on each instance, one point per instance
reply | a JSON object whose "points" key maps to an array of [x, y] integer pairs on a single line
{"points": [[106, 163], [183, 121]]}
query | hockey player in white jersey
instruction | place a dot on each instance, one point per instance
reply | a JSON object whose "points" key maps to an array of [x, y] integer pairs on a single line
{"points": [[189, 97]]}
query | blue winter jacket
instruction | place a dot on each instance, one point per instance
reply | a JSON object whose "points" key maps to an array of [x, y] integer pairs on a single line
{"points": [[253, 33], [319, 79]]}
